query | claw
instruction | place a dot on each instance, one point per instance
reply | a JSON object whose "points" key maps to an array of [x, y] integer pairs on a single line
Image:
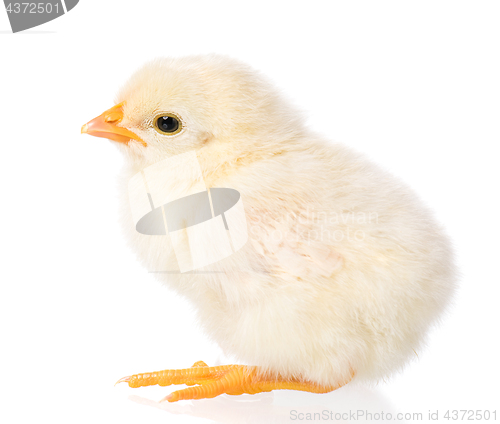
{"points": [[123, 380], [199, 364], [167, 398]]}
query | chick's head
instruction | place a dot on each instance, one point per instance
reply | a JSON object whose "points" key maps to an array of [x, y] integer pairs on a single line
{"points": [[171, 106]]}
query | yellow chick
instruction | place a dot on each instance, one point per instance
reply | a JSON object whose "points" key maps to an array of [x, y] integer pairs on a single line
{"points": [[344, 270]]}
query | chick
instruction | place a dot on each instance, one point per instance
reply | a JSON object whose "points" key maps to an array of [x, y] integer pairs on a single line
{"points": [[345, 270]]}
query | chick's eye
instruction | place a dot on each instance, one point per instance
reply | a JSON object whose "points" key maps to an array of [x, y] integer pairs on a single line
{"points": [[168, 124]]}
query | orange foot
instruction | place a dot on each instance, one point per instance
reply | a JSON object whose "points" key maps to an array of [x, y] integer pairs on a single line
{"points": [[214, 381]]}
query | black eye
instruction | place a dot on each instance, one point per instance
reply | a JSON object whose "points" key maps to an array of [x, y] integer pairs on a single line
{"points": [[168, 124]]}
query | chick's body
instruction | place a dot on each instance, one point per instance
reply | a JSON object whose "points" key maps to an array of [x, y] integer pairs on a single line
{"points": [[344, 270]]}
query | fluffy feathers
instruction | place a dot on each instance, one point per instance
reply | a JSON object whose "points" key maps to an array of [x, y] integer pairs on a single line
{"points": [[345, 269]]}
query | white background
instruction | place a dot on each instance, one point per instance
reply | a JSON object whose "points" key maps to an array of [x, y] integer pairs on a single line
{"points": [[414, 85]]}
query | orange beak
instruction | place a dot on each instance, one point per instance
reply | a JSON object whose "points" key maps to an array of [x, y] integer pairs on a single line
{"points": [[106, 126]]}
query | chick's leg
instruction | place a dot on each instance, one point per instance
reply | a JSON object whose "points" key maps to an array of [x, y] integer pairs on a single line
{"points": [[214, 381]]}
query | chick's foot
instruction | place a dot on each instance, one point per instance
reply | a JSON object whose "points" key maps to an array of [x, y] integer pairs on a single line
{"points": [[209, 382]]}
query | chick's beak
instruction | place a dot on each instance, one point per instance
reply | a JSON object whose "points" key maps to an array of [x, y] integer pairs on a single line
{"points": [[106, 126]]}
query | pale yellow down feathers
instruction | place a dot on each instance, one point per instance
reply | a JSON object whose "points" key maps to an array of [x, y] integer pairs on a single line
{"points": [[345, 268]]}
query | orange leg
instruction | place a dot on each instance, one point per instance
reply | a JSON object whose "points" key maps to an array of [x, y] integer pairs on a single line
{"points": [[214, 381]]}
